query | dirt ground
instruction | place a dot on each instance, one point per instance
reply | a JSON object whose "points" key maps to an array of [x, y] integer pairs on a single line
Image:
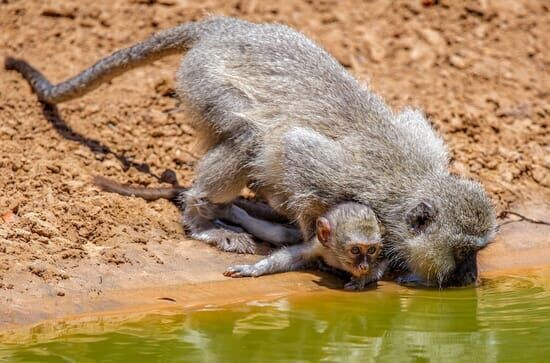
{"points": [[479, 69]]}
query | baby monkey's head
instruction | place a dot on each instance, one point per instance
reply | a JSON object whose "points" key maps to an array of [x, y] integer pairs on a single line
{"points": [[353, 235]]}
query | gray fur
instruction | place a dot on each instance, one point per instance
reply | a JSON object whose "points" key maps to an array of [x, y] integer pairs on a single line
{"points": [[351, 224], [280, 114], [255, 218], [275, 233]]}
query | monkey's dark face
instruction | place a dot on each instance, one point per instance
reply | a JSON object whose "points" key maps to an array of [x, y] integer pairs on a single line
{"points": [[444, 235], [352, 233], [361, 257]]}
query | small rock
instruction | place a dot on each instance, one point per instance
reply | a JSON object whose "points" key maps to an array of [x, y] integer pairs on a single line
{"points": [[507, 7], [427, 3], [111, 164], [375, 47], [41, 227], [507, 176], [59, 11], [458, 62], [480, 31], [423, 55], [5, 130], [38, 268], [435, 39], [9, 217], [53, 168], [60, 293]]}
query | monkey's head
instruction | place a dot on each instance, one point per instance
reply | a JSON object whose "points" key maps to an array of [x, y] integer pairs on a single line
{"points": [[442, 229], [353, 234]]}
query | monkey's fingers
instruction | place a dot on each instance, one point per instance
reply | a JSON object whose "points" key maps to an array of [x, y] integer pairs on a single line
{"points": [[240, 271], [232, 274], [353, 286]]}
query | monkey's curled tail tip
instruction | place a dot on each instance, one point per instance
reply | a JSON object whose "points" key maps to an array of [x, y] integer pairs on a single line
{"points": [[10, 63]]}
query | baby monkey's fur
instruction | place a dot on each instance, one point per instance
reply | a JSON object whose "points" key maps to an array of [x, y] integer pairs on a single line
{"points": [[281, 115], [348, 236]]}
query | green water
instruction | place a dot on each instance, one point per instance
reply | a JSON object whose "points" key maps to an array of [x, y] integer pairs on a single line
{"points": [[507, 319]]}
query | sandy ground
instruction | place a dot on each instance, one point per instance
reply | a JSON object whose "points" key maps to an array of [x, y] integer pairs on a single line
{"points": [[479, 69]]}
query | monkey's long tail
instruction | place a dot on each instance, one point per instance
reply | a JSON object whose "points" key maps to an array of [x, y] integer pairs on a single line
{"points": [[149, 194], [159, 45]]}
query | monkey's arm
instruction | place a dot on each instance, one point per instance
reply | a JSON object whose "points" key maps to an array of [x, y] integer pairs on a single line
{"points": [[285, 259], [317, 168], [275, 233]]}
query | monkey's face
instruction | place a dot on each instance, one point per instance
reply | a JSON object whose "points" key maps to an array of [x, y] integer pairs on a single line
{"points": [[361, 258], [445, 234], [352, 233]]}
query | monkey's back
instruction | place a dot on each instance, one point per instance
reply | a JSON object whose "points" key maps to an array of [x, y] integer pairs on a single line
{"points": [[254, 78], [255, 83]]}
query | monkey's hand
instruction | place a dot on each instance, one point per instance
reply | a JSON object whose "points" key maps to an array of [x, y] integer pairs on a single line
{"points": [[285, 259], [358, 283], [244, 271]]}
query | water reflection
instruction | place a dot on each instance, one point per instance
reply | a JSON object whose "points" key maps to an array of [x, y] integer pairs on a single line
{"points": [[507, 319], [499, 322]]}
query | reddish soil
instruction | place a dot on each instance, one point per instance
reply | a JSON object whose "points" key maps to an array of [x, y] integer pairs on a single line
{"points": [[479, 69]]}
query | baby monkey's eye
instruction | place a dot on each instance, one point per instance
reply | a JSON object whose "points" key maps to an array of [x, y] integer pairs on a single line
{"points": [[355, 250], [371, 250]]}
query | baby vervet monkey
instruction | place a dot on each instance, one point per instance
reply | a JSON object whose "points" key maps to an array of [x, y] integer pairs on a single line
{"points": [[348, 236], [275, 111]]}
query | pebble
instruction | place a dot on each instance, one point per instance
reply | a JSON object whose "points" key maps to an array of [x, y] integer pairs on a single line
{"points": [[457, 61]]}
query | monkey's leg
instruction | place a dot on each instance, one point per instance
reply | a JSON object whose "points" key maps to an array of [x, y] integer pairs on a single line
{"points": [[220, 179], [275, 233], [286, 259], [260, 210]]}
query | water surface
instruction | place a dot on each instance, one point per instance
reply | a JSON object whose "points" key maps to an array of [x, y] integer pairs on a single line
{"points": [[507, 319]]}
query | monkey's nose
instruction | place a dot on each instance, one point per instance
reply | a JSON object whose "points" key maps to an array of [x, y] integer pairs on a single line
{"points": [[363, 267]]}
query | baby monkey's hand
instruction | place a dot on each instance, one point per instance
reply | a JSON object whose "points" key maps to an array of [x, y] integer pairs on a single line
{"points": [[359, 283], [243, 271]]}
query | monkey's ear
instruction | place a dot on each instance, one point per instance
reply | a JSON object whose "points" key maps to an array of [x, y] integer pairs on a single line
{"points": [[382, 229], [420, 217], [323, 231]]}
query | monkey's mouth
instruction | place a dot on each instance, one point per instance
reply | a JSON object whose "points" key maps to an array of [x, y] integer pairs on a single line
{"points": [[465, 274], [360, 271]]}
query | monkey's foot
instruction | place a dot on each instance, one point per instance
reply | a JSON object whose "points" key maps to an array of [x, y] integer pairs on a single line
{"points": [[357, 284], [243, 271], [225, 240]]}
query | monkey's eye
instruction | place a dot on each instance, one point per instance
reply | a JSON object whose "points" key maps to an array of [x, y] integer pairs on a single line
{"points": [[462, 253], [371, 250], [355, 250]]}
